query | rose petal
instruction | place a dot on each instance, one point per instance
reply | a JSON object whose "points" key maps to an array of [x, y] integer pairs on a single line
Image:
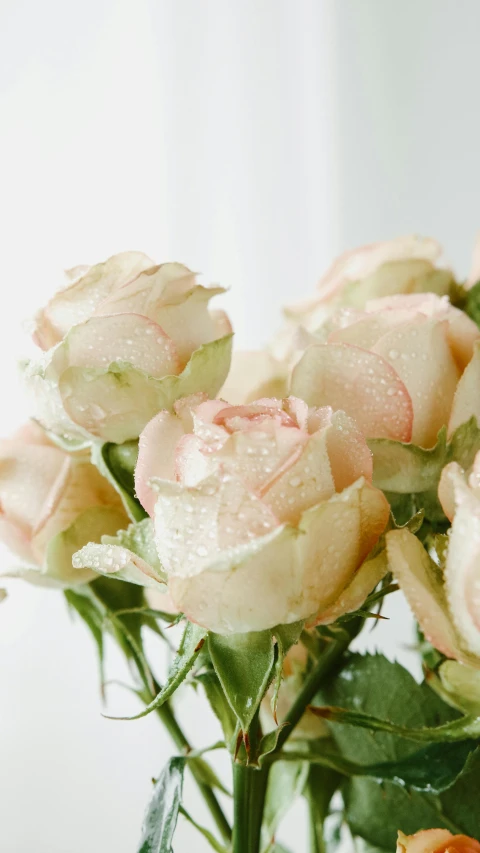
{"points": [[339, 536], [420, 582], [462, 570], [156, 455], [194, 526], [78, 301], [169, 296], [421, 357], [466, 402], [122, 337], [116, 404], [361, 383], [353, 596]]}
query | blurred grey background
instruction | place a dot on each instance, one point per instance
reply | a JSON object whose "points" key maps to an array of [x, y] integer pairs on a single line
{"points": [[252, 141]]}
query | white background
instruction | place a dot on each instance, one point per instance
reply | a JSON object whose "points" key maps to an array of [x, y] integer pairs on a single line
{"points": [[250, 139]]}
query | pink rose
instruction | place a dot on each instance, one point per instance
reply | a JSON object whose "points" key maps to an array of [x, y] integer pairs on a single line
{"points": [[396, 367], [263, 513], [124, 340], [51, 503]]}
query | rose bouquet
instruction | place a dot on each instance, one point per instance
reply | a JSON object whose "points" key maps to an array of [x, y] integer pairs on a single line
{"points": [[255, 512]]}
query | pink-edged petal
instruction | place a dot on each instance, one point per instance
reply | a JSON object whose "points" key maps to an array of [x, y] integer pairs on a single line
{"points": [[350, 457], [169, 296], [78, 301], [366, 330], [421, 356], [358, 263], [462, 332], [193, 526], [80, 487], [462, 570], [156, 455], [17, 540], [254, 374], [129, 338], [30, 478], [361, 383], [466, 402], [421, 583]]}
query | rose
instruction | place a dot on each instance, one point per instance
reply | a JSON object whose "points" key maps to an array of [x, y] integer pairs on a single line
{"points": [[443, 592], [402, 265], [51, 504], [436, 841], [263, 514], [395, 367], [124, 340]]}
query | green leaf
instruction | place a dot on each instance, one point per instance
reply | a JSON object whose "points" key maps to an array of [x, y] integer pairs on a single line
{"points": [[191, 644], [243, 663], [457, 730], [385, 690], [460, 803], [320, 787], [218, 702], [409, 475], [433, 768], [162, 813], [205, 832], [117, 463]]}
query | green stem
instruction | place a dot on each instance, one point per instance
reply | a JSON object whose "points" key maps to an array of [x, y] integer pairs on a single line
{"points": [[328, 660], [249, 789]]}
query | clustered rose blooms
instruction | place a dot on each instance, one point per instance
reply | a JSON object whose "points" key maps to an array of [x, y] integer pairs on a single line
{"points": [[445, 595], [51, 503], [436, 841], [125, 339], [263, 514], [402, 367]]}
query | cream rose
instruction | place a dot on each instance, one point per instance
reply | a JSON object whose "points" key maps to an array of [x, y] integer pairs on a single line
{"points": [[403, 367], [51, 504], [263, 514], [402, 265], [123, 341], [444, 589], [436, 841]]}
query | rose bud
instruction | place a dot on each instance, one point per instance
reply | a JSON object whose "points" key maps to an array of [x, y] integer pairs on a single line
{"points": [[436, 841]]}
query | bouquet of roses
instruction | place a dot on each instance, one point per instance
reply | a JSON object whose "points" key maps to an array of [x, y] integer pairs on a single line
{"points": [[266, 505]]}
